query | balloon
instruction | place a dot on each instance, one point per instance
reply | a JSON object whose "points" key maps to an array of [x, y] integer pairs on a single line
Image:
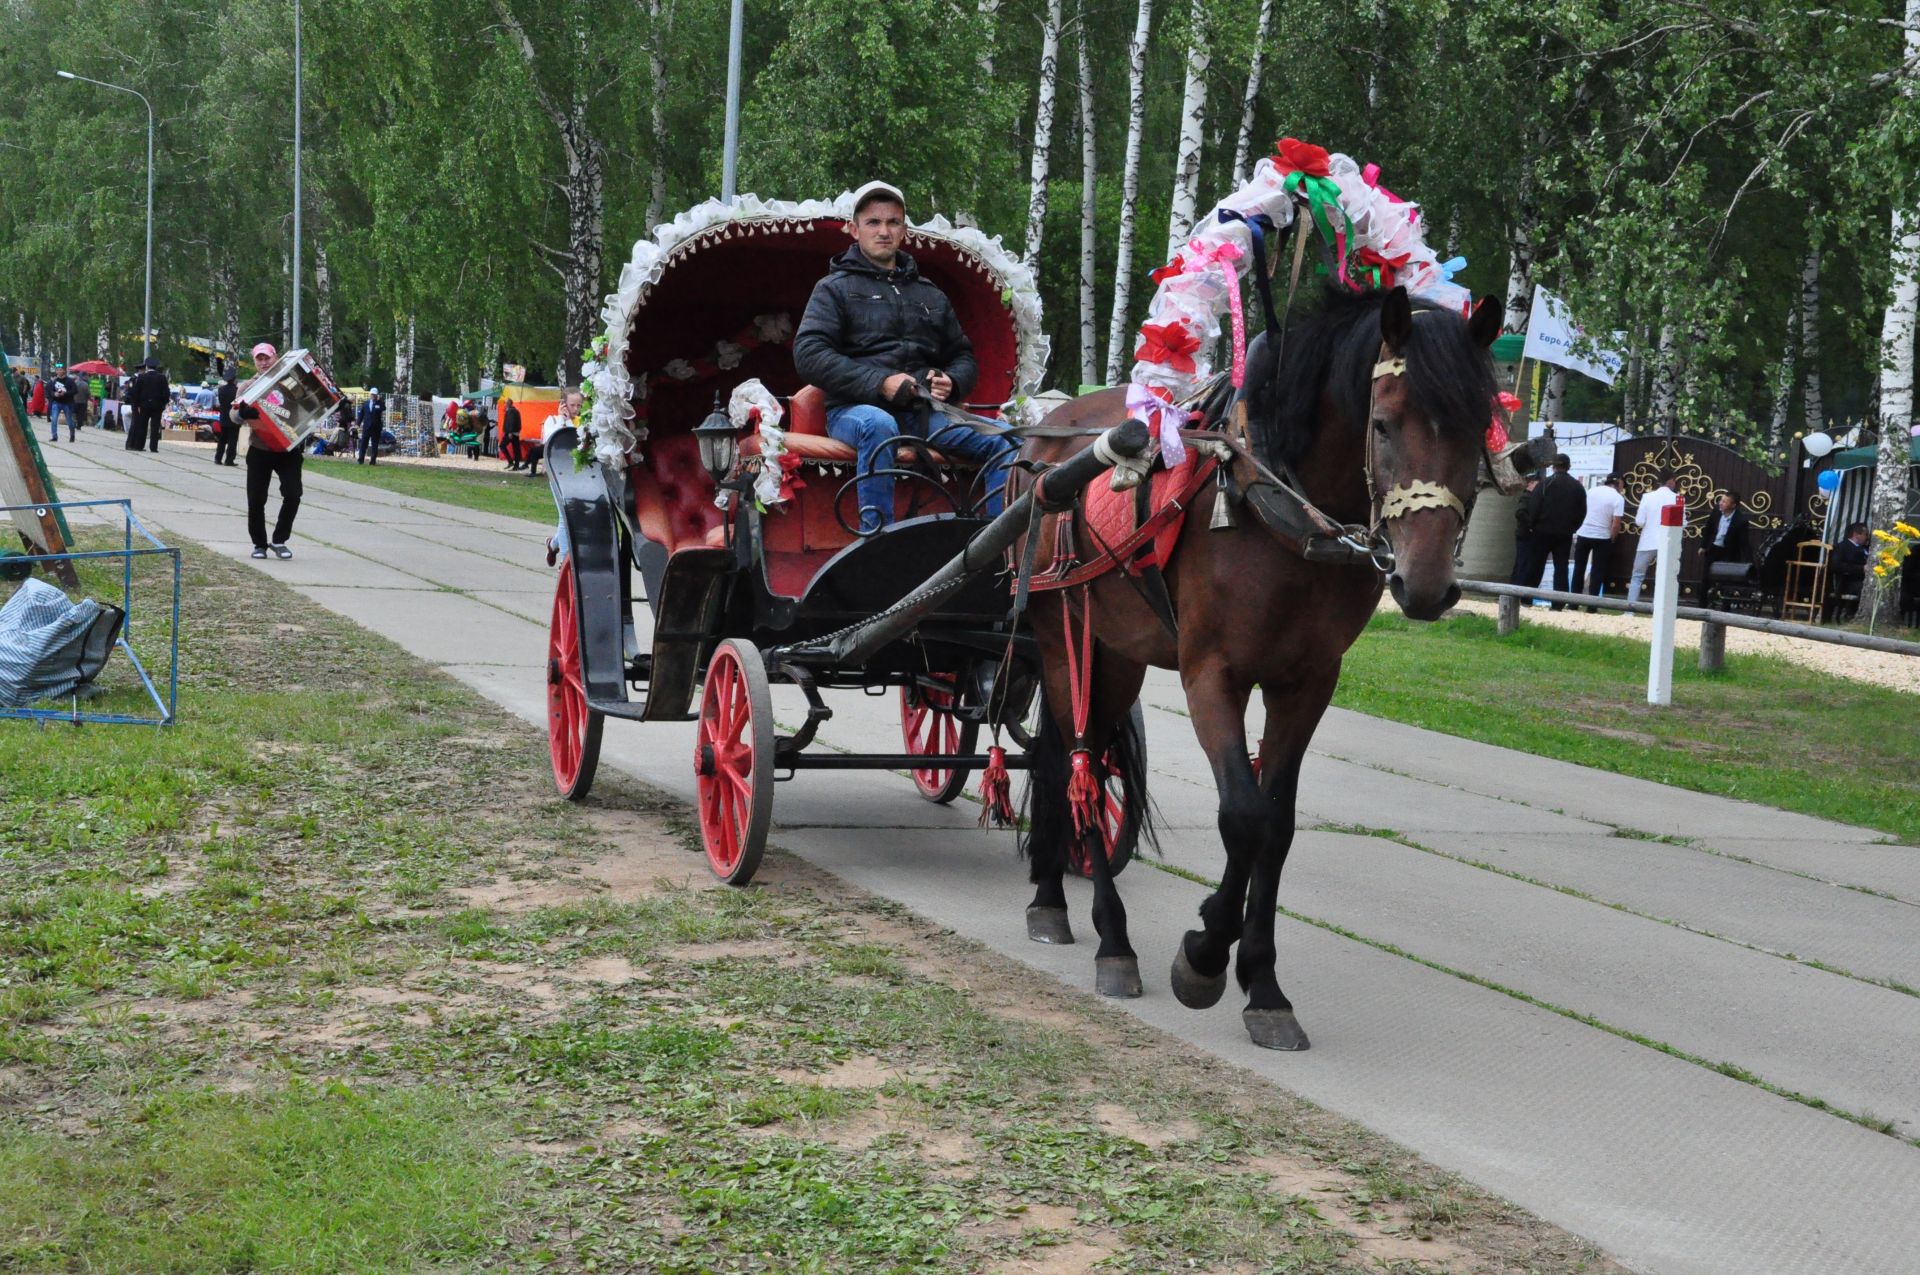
{"points": [[1915, 431], [1817, 445], [1829, 480]]}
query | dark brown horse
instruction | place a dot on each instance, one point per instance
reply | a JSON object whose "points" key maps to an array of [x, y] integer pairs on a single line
{"points": [[1252, 614]]}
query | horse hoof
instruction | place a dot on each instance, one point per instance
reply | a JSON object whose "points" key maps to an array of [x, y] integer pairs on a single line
{"points": [[1117, 976], [1192, 988], [1274, 1028], [1048, 925]]}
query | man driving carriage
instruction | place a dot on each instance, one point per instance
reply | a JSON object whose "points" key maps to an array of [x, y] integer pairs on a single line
{"points": [[886, 347]]}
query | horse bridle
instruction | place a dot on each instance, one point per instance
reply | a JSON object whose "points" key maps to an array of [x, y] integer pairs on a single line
{"points": [[1402, 498]]}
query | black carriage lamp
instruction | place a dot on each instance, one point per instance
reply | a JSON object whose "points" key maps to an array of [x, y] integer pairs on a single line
{"points": [[719, 443]]}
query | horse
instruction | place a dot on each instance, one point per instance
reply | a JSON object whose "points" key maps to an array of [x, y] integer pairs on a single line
{"points": [[1379, 406]]}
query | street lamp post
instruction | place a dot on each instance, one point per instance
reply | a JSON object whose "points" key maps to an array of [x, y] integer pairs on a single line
{"points": [[730, 145], [296, 174], [146, 318]]}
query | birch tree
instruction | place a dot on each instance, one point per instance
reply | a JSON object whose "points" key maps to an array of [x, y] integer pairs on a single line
{"points": [[403, 350], [584, 188], [1089, 207], [1243, 145], [1117, 343], [660, 18], [1043, 134], [1816, 411], [1896, 350], [1193, 120], [323, 298]]}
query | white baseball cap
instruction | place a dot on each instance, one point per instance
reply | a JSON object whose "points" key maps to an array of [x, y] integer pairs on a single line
{"points": [[877, 190]]}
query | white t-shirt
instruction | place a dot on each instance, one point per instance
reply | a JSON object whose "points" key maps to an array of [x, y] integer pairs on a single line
{"points": [[1604, 504], [554, 424], [1648, 516]]}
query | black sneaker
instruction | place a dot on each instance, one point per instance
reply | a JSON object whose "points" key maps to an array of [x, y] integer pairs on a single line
{"points": [[259, 551], [282, 552]]}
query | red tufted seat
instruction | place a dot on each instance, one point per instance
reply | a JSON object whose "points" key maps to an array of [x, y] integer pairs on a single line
{"points": [[672, 495]]}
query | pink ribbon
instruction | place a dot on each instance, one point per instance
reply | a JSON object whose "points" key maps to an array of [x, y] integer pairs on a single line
{"points": [[1201, 255], [1371, 176], [1145, 404]]}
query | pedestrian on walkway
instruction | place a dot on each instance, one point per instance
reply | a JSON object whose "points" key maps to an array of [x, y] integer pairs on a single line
{"points": [[61, 391], [82, 401], [1648, 516], [373, 418], [1526, 568], [37, 397], [1593, 543], [265, 460], [227, 445], [1562, 506], [510, 434], [149, 398]]}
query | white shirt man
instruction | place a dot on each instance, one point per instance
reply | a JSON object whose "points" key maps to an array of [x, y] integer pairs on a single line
{"points": [[1648, 516], [1606, 507]]}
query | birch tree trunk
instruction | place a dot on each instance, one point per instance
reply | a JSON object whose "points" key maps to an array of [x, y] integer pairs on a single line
{"points": [[660, 18], [403, 347], [1089, 208], [1519, 279], [368, 372], [323, 299], [1630, 410], [229, 312], [989, 24], [1783, 383], [1553, 399], [1662, 398], [103, 343], [579, 263], [1810, 340], [1193, 120], [1243, 155], [1117, 343], [1896, 366], [1043, 135]]}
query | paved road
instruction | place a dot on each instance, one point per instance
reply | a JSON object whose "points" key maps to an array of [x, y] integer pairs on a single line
{"points": [[1439, 980]]}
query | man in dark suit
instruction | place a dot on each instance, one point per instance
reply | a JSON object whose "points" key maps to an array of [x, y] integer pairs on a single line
{"points": [[1850, 558], [148, 399], [1725, 537], [1560, 508]]}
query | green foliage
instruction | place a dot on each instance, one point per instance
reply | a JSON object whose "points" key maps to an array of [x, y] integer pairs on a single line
{"points": [[1667, 164]]}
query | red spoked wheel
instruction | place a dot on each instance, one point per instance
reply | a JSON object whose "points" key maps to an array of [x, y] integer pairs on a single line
{"points": [[733, 761], [573, 728], [1118, 832], [930, 729]]}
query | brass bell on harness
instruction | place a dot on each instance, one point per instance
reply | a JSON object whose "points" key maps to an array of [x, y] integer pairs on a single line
{"points": [[1223, 518]]}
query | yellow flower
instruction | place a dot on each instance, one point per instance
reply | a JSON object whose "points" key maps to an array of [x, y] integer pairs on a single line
{"points": [[1880, 571], [1906, 529], [1881, 535]]}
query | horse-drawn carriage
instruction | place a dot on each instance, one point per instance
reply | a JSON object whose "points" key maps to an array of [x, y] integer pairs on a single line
{"points": [[1336, 456], [742, 537]]}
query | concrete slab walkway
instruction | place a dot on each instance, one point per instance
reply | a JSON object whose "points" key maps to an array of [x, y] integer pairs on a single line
{"points": [[1600, 1026]]}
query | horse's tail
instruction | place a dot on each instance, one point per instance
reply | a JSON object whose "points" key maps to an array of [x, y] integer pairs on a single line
{"points": [[1127, 759]]}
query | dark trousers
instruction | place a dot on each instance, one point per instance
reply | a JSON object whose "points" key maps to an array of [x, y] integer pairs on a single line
{"points": [[144, 432], [1526, 562], [1560, 549], [262, 465], [1590, 564], [369, 445], [226, 443]]}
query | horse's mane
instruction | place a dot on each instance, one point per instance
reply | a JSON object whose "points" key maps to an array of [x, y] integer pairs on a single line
{"points": [[1330, 352]]}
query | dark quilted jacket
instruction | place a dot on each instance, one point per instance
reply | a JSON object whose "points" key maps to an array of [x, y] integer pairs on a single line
{"points": [[864, 324]]}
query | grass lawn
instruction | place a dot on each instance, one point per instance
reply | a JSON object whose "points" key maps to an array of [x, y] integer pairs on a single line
{"points": [[487, 487], [325, 979], [1762, 730]]}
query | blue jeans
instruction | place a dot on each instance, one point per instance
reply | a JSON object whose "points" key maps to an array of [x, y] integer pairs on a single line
{"points": [[54, 412], [866, 429]]}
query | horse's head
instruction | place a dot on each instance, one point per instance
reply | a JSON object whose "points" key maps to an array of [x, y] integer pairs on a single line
{"points": [[1432, 389]]}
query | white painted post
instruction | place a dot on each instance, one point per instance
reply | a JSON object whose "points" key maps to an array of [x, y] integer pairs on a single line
{"points": [[1666, 601]]}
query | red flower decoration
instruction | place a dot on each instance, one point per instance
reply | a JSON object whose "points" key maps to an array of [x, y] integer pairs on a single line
{"points": [[1296, 156], [1507, 401], [1169, 344], [1497, 439], [1172, 268]]}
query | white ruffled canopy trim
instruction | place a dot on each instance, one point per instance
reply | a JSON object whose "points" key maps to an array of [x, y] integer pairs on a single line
{"points": [[614, 433]]}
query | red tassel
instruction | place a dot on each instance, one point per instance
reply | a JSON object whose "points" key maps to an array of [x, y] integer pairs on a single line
{"points": [[1083, 794], [996, 790]]}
